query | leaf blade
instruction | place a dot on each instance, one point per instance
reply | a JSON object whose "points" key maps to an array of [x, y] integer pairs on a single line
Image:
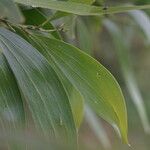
{"points": [[48, 101], [78, 8], [75, 98], [94, 83]]}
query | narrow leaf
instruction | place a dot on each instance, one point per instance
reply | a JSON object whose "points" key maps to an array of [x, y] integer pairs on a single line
{"points": [[78, 8], [40, 86], [11, 107]]}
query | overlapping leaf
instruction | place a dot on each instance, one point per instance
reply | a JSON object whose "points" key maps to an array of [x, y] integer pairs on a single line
{"points": [[75, 98], [40, 86], [11, 106], [95, 83]]}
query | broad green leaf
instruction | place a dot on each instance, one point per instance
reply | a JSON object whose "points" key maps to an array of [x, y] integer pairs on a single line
{"points": [[9, 10], [95, 83], [40, 86], [39, 18], [75, 98], [125, 63], [78, 8]]}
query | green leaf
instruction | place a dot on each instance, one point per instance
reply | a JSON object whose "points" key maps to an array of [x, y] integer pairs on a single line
{"points": [[75, 98], [78, 8], [11, 106], [60, 14], [95, 83], [9, 10], [40, 86], [12, 115]]}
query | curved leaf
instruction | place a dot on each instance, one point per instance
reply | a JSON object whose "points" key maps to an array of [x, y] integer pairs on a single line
{"points": [[40, 86], [75, 98], [95, 83], [78, 8], [11, 107]]}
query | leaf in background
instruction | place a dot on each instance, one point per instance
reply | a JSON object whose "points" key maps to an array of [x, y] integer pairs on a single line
{"points": [[92, 80], [143, 20], [69, 26], [97, 127], [79, 8], [60, 14], [41, 87], [83, 36], [39, 18], [125, 62], [9, 10]]}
